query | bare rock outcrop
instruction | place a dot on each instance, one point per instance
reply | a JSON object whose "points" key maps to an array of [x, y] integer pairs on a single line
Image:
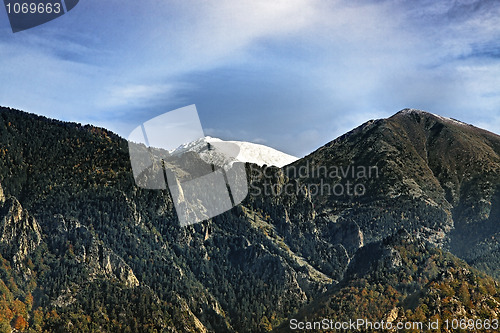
{"points": [[103, 261], [100, 260], [20, 233]]}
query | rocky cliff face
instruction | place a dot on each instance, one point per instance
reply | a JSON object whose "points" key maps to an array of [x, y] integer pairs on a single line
{"points": [[20, 233], [99, 260]]}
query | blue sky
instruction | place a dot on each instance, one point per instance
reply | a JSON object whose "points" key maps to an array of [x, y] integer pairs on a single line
{"points": [[291, 74]]}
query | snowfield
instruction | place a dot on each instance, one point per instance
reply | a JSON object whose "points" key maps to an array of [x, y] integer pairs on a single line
{"points": [[220, 152]]}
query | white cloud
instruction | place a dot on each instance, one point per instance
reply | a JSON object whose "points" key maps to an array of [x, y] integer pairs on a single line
{"points": [[137, 95], [207, 34]]}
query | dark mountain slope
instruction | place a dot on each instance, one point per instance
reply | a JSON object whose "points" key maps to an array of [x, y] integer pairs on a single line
{"points": [[466, 162], [430, 175]]}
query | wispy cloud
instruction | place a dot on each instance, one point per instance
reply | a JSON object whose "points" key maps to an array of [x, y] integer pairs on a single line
{"points": [[137, 95]]}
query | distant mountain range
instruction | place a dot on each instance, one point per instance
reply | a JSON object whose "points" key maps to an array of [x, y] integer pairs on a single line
{"points": [[396, 220]]}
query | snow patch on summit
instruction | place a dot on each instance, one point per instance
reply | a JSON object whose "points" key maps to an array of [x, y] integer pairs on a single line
{"points": [[446, 119], [450, 120]]}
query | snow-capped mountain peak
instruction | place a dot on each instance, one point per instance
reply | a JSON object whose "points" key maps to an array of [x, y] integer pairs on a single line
{"points": [[220, 152]]}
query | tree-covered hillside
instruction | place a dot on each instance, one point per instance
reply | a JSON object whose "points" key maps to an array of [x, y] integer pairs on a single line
{"points": [[405, 280]]}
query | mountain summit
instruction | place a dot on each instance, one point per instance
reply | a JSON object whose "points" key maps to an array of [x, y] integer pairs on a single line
{"points": [[437, 176]]}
